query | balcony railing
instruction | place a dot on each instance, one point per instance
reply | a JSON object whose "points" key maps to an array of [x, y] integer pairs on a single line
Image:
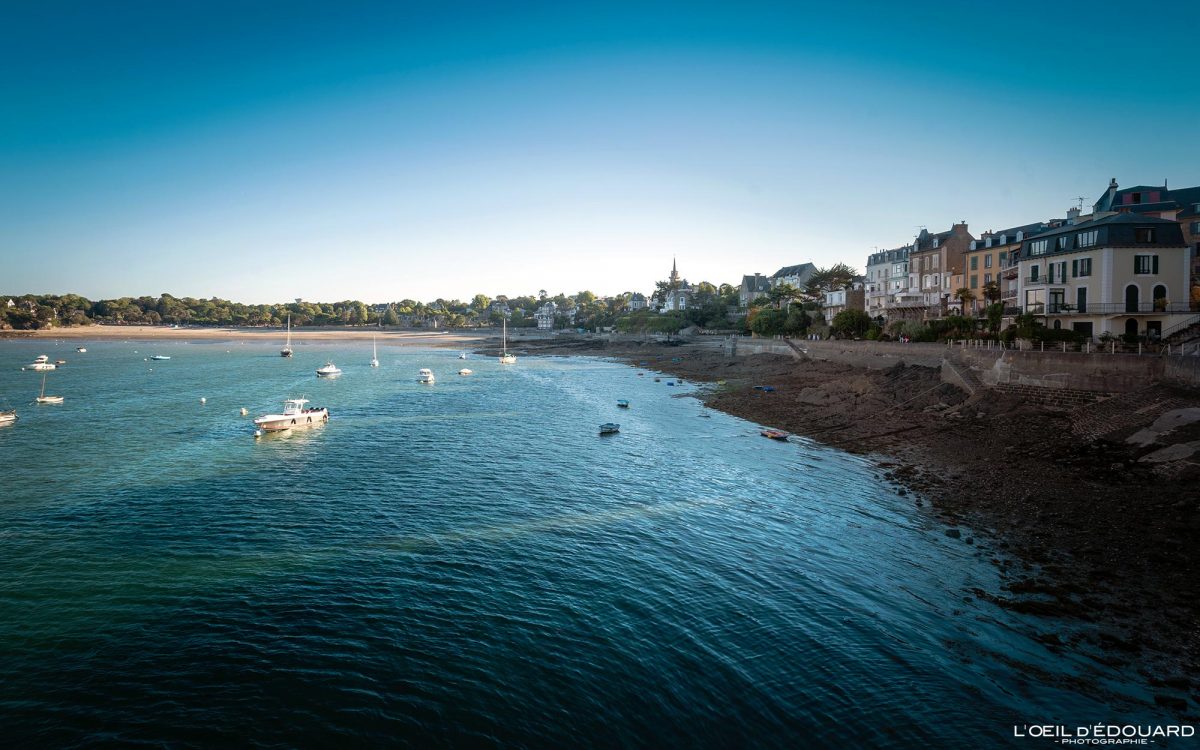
{"points": [[1141, 308], [1036, 280]]}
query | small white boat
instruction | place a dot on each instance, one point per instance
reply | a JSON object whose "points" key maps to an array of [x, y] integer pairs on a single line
{"points": [[462, 355], [8, 417], [374, 354], [40, 363], [159, 357], [295, 416], [81, 349], [465, 371], [330, 370], [43, 398], [610, 428], [425, 375]]}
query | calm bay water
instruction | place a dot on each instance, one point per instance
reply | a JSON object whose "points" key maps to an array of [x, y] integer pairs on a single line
{"points": [[470, 562]]}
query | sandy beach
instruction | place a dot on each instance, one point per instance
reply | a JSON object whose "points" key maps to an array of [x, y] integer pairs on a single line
{"points": [[384, 336]]}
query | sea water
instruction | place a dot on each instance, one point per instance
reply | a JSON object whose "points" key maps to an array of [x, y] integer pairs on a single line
{"points": [[470, 562]]}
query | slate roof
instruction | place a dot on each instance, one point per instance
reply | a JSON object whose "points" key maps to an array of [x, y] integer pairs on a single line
{"points": [[756, 283], [802, 270], [1115, 231]]}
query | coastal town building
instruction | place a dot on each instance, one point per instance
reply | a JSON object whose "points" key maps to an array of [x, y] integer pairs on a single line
{"points": [[751, 288], [1123, 274], [987, 258], [797, 275], [678, 293], [637, 301], [545, 315], [932, 263], [887, 274], [1181, 205], [850, 297]]}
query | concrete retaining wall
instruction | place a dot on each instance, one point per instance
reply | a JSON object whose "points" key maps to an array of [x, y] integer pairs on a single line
{"points": [[1075, 371]]}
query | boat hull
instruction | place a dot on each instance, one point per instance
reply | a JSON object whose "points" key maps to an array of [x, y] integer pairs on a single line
{"points": [[39, 366], [301, 421]]}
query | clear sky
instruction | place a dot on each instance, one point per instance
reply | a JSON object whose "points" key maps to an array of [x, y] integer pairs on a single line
{"points": [[381, 151]]}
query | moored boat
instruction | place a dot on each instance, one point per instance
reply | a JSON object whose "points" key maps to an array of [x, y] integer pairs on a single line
{"points": [[8, 417], [295, 416], [465, 371], [159, 357], [775, 434], [43, 398], [425, 375], [330, 370], [40, 363], [81, 349], [374, 354], [622, 403], [505, 357], [610, 428], [286, 351]]}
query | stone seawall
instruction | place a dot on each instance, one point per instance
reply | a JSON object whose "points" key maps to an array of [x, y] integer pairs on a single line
{"points": [[1074, 371]]}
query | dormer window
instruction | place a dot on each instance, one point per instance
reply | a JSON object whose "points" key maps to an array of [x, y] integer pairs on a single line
{"points": [[1135, 198], [1143, 235], [935, 241], [1062, 243], [1020, 236]]}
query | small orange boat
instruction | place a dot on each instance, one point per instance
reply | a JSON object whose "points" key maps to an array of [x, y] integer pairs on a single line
{"points": [[775, 434]]}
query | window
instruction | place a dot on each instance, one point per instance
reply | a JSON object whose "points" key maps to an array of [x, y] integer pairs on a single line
{"points": [[1057, 300], [1062, 243], [1035, 301], [1145, 264], [987, 278], [974, 262], [1196, 227], [1003, 257], [1038, 247], [1087, 239], [987, 261], [1143, 235], [1081, 299], [974, 281], [1081, 267], [1034, 272], [1056, 271], [1135, 198]]}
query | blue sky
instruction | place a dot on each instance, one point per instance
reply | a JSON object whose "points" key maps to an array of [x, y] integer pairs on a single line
{"points": [[388, 150]]}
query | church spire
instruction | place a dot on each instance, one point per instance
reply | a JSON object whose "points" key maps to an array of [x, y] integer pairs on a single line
{"points": [[674, 273]]}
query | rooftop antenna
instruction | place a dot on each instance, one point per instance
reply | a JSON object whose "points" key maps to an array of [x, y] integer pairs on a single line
{"points": [[1080, 198]]}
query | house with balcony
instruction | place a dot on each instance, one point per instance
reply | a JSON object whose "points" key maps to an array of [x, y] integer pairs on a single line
{"points": [[932, 264], [986, 260], [545, 315], [1121, 274], [1181, 205], [887, 275]]}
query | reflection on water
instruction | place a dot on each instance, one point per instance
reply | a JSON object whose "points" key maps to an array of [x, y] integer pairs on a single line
{"points": [[469, 562]]}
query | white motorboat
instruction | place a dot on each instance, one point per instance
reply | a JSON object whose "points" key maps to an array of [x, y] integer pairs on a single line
{"points": [[40, 363], [286, 351], [465, 371], [43, 398], [425, 375], [81, 349], [8, 417], [159, 357], [330, 370], [295, 416], [505, 357], [374, 354]]}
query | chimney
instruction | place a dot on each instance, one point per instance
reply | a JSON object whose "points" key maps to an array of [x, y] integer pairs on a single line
{"points": [[1073, 215]]}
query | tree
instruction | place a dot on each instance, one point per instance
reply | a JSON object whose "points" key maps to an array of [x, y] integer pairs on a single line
{"points": [[481, 302], [784, 295], [825, 280], [390, 318], [851, 323], [965, 297], [991, 292]]}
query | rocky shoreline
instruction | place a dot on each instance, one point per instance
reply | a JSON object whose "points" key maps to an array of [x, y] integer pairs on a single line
{"points": [[1084, 526]]}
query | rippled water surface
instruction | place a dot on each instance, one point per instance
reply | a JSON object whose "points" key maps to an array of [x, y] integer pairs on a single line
{"points": [[469, 562]]}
